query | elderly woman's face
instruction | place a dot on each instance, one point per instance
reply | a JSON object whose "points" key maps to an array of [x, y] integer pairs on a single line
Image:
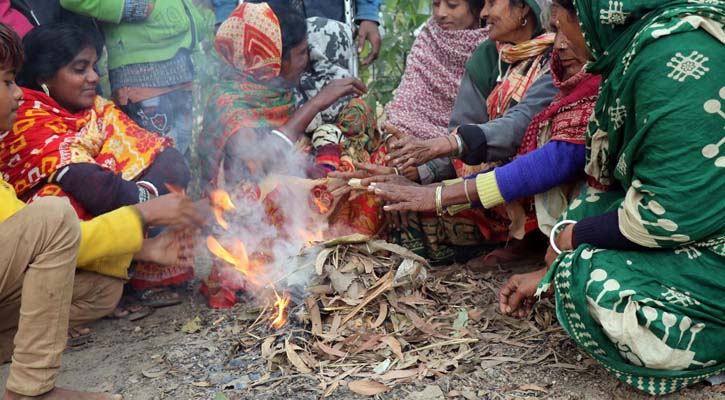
{"points": [[506, 23], [454, 15], [74, 85], [567, 27], [294, 65]]}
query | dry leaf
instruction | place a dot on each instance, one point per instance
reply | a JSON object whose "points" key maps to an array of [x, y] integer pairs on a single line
{"points": [[534, 387], [192, 325], [330, 350], [382, 367], [295, 358], [267, 353], [321, 258], [399, 374], [394, 346], [314, 309], [382, 314], [367, 388], [431, 392]]}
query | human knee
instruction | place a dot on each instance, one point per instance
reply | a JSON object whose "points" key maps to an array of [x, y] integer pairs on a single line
{"points": [[57, 214]]}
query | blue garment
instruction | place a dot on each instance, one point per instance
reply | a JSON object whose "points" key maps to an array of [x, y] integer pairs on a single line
{"points": [[552, 165], [222, 9]]}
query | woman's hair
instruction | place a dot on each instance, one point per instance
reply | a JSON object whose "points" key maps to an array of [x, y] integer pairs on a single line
{"points": [[476, 6], [568, 5], [11, 50], [292, 25], [541, 20], [50, 47]]}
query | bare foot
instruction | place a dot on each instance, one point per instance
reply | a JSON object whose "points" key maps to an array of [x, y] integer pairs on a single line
{"points": [[166, 248], [63, 394]]}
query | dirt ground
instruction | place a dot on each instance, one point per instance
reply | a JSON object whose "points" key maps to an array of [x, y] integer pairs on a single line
{"points": [[153, 359]]}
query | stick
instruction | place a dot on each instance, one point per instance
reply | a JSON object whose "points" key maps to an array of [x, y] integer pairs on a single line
{"points": [[446, 343]]}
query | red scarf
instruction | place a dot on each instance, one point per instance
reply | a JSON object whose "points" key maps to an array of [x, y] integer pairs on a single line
{"points": [[568, 114]]}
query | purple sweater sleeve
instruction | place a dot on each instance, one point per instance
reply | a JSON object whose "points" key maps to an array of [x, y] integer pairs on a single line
{"points": [[551, 165]]}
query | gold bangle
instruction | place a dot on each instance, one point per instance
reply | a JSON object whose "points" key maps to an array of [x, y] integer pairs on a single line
{"points": [[465, 189], [439, 200]]}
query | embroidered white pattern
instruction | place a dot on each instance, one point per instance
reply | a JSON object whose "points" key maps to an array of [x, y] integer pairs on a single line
{"points": [[686, 67], [691, 252], [674, 296], [615, 15], [617, 114], [714, 106]]}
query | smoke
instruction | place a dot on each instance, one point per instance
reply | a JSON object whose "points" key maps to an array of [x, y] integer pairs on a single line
{"points": [[274, 216]]}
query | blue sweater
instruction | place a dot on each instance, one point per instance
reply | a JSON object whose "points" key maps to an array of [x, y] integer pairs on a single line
{"points": [[553, 164]]}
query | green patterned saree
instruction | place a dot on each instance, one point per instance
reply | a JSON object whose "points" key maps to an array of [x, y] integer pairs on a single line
{"points": [[654, 318]]}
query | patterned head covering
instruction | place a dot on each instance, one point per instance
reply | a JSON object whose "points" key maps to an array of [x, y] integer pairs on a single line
{"points": [[250, 41]]}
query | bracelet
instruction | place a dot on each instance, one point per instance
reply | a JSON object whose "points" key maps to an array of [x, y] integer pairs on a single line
{"points": [[460, 144], [554, 233], [465, 189], [439, 200], [387, 137], [282, 136], [396, 170]]}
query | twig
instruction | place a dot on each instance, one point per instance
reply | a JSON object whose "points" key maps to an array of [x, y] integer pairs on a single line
{"points": [[446, 343], [279, 378]]}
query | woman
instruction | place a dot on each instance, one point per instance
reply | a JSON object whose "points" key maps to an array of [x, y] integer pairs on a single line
{"points": [[518, 66], [68, 141], [253, 132], [434, 69], [636, 281], [550, 161]]}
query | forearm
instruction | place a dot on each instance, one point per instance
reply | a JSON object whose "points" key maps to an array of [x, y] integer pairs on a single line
{"points": [[602, 231], [98, 191], [103, 10], [117, 233], [367, 10], [300, 119]]}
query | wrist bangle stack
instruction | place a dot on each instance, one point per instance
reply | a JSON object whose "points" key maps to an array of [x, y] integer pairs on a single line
{"points": [[439, 200], [465, 189], [282, 136], [555, 232]]}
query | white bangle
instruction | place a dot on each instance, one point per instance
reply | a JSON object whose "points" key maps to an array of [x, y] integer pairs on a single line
{"points": [[554, 233], [439, 200], [282, 136], [465, 189], [459, 141], [396, 170]]}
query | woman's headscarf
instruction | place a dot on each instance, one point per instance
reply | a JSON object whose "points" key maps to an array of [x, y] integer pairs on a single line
{"points": [[424, 100], [615, 33], [250, 44]]}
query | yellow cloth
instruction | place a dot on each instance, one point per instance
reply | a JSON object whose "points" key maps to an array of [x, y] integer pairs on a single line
{"points": [[488, 192], [108, 241]]}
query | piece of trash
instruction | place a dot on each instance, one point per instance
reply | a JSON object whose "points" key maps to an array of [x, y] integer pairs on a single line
{"points": [[192, 325]]}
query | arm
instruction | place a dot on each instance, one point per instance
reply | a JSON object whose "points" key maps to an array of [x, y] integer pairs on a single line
{"points": [[500, 139], [470, 105], [109, 236], [436, 170], [9, 202]]}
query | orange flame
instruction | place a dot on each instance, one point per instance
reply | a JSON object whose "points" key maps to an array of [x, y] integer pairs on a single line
{"points": [[279, 318], [320, 205], [221, 202], [237, 257]]}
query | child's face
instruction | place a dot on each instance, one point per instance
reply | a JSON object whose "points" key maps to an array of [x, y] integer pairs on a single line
{"points": [[10, 96]]}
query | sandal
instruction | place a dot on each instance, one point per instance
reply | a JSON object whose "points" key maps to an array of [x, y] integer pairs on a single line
{"points": [[79, 336], [158, 297], [131, 312]]}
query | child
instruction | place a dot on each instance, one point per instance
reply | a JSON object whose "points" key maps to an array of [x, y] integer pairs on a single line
{"points": [[40, 246]]}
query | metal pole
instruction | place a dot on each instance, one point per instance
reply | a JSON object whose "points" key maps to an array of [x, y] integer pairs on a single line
{"points": [[350, 21]]}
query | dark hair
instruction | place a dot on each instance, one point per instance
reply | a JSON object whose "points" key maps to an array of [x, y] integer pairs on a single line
{"points": [[48, 48], [476, 6], [568, 5], [292, 24], [11, 50]]}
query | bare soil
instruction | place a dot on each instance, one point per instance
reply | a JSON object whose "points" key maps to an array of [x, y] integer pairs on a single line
{"points": [[153, 359]]}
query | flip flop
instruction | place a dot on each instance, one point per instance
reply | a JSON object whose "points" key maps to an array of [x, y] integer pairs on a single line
{"points": [[81, 338], [159, 297]]}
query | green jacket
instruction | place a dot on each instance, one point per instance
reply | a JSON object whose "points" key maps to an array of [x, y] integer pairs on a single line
{"points": [[172, 25]]}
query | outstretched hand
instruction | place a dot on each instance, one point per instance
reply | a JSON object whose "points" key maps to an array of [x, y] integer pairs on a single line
{"points": [[172, 209], [337, 89], [405, 197], [410, 152]]}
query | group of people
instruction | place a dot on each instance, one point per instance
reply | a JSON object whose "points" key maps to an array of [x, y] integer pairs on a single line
{"points": [[581, 135]]}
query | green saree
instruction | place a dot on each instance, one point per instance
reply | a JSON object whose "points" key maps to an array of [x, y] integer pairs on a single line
{"points": [[654, 318]]}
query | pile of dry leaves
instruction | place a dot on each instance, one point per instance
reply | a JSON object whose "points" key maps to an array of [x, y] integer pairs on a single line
{"points": [[372, 311]]}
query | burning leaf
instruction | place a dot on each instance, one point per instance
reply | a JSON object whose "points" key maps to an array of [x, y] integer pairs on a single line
{"points": [[367, 388], [192, 325], [279, 318], [295, 358], [221, 202]]}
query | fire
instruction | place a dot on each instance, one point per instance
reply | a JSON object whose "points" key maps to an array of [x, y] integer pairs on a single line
{"points": [[221, 202], [238, 256], [321, 206], [279, 318]]}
